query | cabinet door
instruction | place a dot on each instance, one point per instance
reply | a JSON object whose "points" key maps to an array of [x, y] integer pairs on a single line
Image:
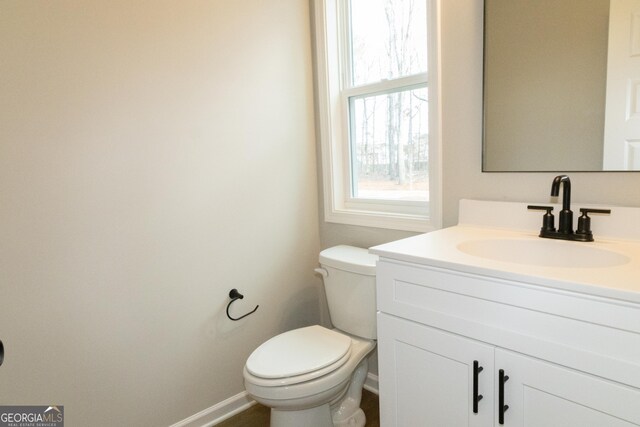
{"points": [[427, 376], [541, 394]]}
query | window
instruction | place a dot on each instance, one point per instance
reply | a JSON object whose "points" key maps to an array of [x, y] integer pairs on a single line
{"points": [[378, 106]]}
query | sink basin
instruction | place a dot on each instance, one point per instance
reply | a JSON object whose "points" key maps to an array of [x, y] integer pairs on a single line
{"points": [[544, 253]]}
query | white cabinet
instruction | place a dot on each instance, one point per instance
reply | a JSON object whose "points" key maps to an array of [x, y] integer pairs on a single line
{"points": [[571, 361], [544, 394], [427, 376]]}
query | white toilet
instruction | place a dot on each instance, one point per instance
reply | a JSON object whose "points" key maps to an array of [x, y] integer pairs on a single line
{"points": [[313, 376]]}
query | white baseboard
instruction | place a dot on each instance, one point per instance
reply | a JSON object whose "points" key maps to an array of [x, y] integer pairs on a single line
{"points": [[371, 383], [238, 403], [219, 412]]}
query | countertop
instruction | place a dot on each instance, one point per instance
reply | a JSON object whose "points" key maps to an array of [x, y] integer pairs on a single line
{"points": [[441, 249]]}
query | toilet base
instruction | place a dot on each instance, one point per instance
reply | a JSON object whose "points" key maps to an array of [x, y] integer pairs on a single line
{"points": [[320, 416], [343, 411], [347, 412], [357, 419]]}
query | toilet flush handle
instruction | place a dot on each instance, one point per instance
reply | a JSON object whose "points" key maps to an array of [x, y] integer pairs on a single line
{"points": [[321, 271]]}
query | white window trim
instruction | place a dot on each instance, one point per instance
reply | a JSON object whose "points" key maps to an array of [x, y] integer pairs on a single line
{"points": [[338, 206]]}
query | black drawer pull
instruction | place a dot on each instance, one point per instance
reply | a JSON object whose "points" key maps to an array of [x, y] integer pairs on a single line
{"points": [[476, 397], [502, 408]]}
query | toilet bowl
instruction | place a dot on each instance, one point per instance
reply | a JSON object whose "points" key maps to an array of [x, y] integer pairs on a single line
{"points": [[316, 385], [313, 376]]}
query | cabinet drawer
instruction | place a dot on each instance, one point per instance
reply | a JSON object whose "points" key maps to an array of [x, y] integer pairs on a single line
{"points": [[588, 334]]}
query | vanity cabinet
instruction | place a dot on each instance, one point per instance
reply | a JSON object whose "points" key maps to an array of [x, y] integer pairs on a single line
{"points": [[572, 360]]}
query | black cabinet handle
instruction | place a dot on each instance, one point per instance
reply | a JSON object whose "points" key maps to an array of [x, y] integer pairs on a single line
{"points": [[1, 352], [502, 408], [476, 397]]}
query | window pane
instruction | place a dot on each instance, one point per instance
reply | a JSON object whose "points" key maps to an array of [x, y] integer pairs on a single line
{"points": [[389, 146], [389, 39]]}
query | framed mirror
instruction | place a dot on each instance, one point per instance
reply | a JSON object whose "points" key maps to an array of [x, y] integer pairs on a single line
{"points": [[561, 85]]}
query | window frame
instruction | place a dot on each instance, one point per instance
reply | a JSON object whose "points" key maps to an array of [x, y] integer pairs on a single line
{"points": [[333, 117]]}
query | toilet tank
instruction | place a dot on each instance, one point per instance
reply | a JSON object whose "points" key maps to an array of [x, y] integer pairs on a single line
{"points": [[350, 286]]}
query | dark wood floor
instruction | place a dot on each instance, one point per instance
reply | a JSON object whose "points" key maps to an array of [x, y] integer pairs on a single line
{"points": [[258, 415]]}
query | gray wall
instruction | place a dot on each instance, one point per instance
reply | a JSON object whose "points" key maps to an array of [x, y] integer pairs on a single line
{"points": [[154, 154]]}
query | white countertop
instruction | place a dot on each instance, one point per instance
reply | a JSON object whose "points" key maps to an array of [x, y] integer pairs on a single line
{"points": [[441, 249]]}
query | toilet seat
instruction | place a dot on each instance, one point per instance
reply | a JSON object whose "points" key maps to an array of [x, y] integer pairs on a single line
{"points": [[311, 387], [298, 355]]}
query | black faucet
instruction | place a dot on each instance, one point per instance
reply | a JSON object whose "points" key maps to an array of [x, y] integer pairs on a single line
{"points": [[565, 227], [566, 216]]}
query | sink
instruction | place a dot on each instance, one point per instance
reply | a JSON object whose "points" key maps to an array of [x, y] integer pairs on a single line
{"points": [[499, 240], [544, 253]]}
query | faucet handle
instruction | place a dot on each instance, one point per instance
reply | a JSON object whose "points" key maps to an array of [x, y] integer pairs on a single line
{"points": [[584, 222], [540, 208], [547, 218], [586, 211]]}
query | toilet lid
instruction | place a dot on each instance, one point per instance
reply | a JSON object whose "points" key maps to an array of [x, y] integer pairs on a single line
{"points": [[298, 352]]}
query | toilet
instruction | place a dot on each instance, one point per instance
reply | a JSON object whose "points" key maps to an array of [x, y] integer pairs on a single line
{"points": [[313, 376]]}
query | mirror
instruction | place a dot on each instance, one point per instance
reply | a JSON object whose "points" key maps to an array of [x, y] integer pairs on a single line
{"points": [[561, 85]]}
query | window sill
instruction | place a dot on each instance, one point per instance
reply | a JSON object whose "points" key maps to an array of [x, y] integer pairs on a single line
{"points": [[392, 221]]}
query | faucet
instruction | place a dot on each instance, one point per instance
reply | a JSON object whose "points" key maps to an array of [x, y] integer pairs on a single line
{"points": [[566, 216], [565, 227]]}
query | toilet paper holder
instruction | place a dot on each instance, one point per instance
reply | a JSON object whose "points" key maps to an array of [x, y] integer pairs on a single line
{"points": [[235, 295]]}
